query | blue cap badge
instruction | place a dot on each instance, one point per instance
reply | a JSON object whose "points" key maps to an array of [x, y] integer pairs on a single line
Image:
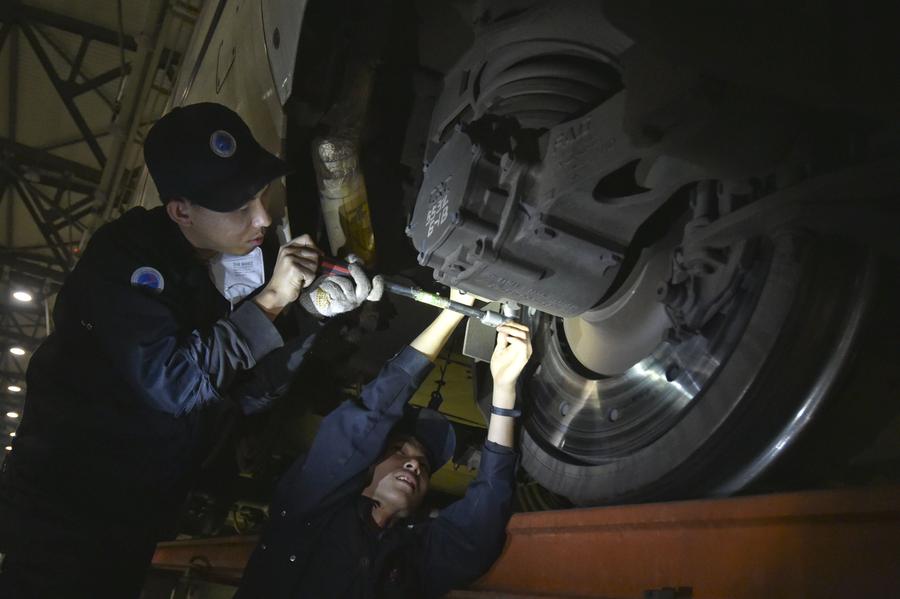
{"points": [[222, 143], [149, 278]]}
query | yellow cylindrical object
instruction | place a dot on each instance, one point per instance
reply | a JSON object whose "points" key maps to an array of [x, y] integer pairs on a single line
{"points": [[342, 193]]}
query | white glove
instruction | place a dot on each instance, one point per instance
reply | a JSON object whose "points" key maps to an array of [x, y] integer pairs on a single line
{"points": [[335, 294]]}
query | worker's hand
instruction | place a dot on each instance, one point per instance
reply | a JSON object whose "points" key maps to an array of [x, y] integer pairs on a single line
{"points": [[335, 294], [511, 353], [370, 291], [295, 269]]}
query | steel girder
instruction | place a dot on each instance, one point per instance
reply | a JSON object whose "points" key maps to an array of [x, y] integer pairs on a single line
{"points": [[58, 194], [26, 172]]}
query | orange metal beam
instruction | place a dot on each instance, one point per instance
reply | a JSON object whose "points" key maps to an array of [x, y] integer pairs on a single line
{"points": [[809, 544]]}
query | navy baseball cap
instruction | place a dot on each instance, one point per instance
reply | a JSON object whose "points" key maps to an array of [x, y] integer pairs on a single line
{"points": [[206, 153], [431, 429]]}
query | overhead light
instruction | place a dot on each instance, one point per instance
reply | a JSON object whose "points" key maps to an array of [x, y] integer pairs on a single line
{"points": [[12, 415], [22, 296], [12, 434], [17, 351], [14, 388], [8, 448]]}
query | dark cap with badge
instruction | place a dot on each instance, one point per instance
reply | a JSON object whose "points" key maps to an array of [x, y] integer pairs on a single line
{"points": [[432, 430], [205, 153]]}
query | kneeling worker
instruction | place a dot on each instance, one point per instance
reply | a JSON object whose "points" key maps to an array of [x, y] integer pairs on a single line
{"points": [[342, 520]]}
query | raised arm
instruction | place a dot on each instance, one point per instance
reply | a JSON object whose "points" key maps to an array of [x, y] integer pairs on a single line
{"points": [[467, 537], [352, 437], [511, 353], [432, 340]]}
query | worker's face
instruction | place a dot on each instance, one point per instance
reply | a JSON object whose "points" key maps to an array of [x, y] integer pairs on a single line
{"points": [[237, 232], [401, 478]]}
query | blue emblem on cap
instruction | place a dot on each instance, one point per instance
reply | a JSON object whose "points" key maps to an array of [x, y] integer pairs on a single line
{"points": [[222, 143], [149, 278]]}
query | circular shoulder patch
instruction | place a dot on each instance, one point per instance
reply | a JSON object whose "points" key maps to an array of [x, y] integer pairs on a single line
{"points": [[149, 278], [222, 143]]}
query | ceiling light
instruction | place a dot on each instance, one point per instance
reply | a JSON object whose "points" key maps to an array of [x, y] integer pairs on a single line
{"points": [[12, 434], [22, 296], [12, 415], [14, 388], [17, 351], [8, 448]]}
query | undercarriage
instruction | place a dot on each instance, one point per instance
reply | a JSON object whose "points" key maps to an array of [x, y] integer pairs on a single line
{"points": [[702, 260], [697, 217]]}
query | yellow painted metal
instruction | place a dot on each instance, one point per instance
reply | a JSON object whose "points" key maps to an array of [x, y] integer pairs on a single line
{"points": [[453, 479], [342, 192], [458, 391], [459, 406]]}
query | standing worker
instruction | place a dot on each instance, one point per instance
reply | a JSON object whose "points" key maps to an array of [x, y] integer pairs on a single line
{"points": [[343, 520], [155, 337]]}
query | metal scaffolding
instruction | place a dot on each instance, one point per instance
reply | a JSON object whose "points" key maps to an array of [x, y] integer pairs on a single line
{"points": [[66, 199]]}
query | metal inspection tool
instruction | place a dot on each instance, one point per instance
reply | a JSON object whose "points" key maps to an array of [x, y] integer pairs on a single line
{"points": [[328, 265]]}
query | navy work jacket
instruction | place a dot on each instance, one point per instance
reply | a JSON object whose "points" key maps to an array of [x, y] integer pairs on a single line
{"points": [[318, 511], [125, 396]]}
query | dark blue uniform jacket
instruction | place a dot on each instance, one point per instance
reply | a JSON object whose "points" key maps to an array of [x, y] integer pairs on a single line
{"points": [[321, 542], [125, 395]]}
